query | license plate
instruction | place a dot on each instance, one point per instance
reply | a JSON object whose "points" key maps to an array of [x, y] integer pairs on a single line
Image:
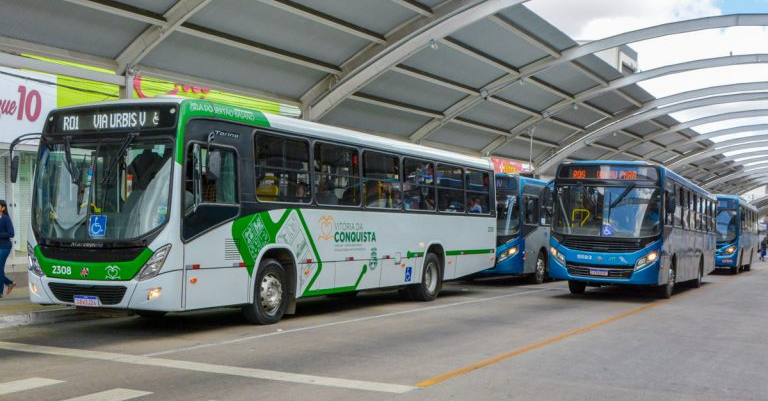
{"points": [[87, 300], [598, 272]]}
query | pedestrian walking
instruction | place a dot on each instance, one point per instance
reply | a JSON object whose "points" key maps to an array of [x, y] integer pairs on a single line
{"points": [[6, 233], [763, 247]]}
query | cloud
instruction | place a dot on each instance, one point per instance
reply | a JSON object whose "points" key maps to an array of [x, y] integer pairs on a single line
{"points": [[596, 19]]}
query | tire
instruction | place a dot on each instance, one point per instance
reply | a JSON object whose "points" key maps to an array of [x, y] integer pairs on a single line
{"points": [[664, 291], [577, 287], [696, 283], [431, 281], [748, 266], [735, 270], [149, 314], [539, 274], [270, 299]]}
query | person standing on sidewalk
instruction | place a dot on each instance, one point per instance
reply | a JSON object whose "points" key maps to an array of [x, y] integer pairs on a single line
{"points": [[6, 233], [763, 246]]}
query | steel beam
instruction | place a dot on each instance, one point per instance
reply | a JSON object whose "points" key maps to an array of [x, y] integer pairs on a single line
{"points": [[154, 35], [653, 109], [450, 17]]}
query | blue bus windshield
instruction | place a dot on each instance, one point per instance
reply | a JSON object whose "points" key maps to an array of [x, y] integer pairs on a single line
{"points": [[616, 211], [726, 225]]}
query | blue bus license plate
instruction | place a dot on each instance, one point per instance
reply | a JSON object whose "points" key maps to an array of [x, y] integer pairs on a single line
{"points": [[598, 272], [87, 300]]}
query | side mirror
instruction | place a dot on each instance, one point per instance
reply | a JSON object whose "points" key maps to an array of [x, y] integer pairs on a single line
{"points": [[213, 165], [14, 168]]}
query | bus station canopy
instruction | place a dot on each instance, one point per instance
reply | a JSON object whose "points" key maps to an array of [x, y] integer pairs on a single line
{"points": [[489, 78]]}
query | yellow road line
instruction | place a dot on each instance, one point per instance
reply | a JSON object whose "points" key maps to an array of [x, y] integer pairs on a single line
{"points": [[540, 344]]}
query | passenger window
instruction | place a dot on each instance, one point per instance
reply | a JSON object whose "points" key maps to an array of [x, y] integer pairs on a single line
{"points": [[418, 185], [546, 206], [381, 177], [478, 190], [679, 207], [282, 169], [450, 189], [531, 212], [337, 175]]}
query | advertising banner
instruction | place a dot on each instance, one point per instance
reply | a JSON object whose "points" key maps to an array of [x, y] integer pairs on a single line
{"points": [[507, 166], [25, 99]]}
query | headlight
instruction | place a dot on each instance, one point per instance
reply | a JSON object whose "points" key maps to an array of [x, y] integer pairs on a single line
{"points": [[558, 255], [155, 263], [647, 260], [33, 264], [507, 253], [730, 250]]}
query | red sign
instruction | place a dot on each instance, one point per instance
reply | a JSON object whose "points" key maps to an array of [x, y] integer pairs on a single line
{"points": [[507, 166]]}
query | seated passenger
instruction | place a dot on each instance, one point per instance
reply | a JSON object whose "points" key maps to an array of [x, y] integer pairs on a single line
{"points": [[474, 206], [326, 195]]}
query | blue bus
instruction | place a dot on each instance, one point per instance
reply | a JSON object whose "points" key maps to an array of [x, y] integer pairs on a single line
{"points": [[523, 217], [737, 239], [630, 223]]}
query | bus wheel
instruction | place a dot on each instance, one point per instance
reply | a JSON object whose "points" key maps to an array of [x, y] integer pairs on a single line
{"points": [[270, 298], [150, 314], [696, 283], [540, 272], [664, 291], [734, 269], [431, 281], [577, 287]]}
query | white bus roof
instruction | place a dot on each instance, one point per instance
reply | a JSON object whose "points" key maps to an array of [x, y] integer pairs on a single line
{"points": [[329, 132]]}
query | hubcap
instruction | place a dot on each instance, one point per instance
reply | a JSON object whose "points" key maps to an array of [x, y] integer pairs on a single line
{"points": [[430, 278], [270, 294]]}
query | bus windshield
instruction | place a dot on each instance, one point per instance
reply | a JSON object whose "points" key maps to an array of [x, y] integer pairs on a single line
{"points": [[607, 211], [726, 226], [108, 189], [507, 213]]}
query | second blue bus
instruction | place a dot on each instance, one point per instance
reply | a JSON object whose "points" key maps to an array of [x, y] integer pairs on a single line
{"points": [[737, 239], [630, 223], [523, 216]]}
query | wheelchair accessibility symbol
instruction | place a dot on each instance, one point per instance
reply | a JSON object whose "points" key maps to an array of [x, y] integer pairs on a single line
{"points": [[97, 226]]}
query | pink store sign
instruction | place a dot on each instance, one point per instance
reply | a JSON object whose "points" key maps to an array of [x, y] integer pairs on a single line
{"points": [[26, 98]]}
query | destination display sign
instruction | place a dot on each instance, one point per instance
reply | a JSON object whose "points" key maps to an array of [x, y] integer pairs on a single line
{"points": [[609, 172], [112, 119]]}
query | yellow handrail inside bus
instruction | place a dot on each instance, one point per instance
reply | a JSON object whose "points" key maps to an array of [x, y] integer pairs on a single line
{"points": [[584, 212]]}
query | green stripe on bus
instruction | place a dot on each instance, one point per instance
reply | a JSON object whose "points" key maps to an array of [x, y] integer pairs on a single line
{"points": [[92, 271], [337, 290]]}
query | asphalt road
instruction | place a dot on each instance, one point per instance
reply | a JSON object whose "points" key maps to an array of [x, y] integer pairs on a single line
{"points": [[481, 340]]}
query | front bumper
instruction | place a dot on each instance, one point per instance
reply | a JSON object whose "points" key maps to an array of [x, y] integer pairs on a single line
{"points": [[112, 294], [648, 275]]}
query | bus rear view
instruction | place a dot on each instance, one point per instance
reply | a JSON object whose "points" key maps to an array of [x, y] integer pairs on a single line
{"points": [[609, 227]]}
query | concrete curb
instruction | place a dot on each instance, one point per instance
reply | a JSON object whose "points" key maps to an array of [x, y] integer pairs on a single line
{"points": [[52, 316], [39, 317]]}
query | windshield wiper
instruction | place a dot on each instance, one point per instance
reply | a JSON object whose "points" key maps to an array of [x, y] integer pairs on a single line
{"points": [[69, 164], [621, 196], [586, 194], [118, 155]]}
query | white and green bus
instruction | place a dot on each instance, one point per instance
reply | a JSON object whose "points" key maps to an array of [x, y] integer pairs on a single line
{"points": [[174, 205]]}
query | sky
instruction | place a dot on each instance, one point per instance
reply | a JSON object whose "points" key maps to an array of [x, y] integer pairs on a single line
{"points": [[596, 19]]}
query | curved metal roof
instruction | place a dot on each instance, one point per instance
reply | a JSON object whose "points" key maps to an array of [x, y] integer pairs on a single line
{"points": [[422, 71]]}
